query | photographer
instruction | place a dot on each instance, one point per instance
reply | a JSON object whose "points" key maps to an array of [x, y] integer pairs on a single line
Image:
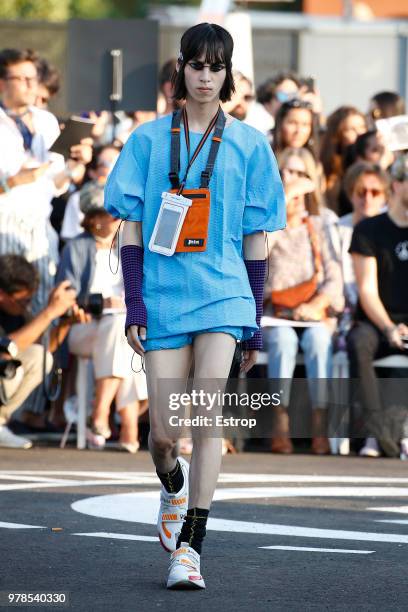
{"points": [[379, 248], [85, 262], [19, 336]]}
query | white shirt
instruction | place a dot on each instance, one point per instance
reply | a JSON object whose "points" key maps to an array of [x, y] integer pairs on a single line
{"points": [[32, 201], [104, 281], [259, 118], [73, 216]]}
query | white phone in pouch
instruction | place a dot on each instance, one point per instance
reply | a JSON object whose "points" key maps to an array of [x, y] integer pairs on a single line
{"points": [[169, 222]]}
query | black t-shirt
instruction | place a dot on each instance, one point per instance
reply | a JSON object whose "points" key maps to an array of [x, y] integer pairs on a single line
{"points": [[10, 323], [379, 237]]}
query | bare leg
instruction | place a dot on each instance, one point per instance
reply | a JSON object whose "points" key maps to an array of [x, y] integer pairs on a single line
{"points": [[162, 364], [213, 354], [128, 421], [105, 391]]}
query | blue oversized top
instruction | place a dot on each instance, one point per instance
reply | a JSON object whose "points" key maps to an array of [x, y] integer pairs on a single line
{"points": [[189, 292]]}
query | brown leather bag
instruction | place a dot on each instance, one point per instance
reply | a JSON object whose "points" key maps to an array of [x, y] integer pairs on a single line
{"points": [[284, 300]]}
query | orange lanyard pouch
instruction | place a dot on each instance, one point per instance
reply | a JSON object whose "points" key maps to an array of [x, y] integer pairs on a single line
{"points": [[194, 233]]}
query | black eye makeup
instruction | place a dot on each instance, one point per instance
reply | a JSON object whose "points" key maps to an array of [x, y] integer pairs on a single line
{"points": [[198, 66]]}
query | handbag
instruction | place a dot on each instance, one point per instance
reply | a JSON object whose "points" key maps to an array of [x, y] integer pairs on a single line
{"points": [[285, 300]]}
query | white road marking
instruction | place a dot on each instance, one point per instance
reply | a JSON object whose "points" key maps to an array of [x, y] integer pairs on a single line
{"points": [[389, 521], [118, 536], [326, 550], [151, 478], [142, 508], [19, 526], [399, 509], [67, 483]]}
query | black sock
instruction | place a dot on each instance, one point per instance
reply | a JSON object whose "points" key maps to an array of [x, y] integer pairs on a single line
{"points": [[172, 481], [193, 530]]}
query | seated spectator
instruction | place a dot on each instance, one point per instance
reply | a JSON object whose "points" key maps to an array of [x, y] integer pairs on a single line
{"points": [[304, 284], [344, 126], [367, 187], [166, 103], [369, 147], [129, 121], [102, 162], [301, 164], [241, 99], [296, 126], [384, 105], [85, 262], [270, 96], [20, 336], [379, 248]]}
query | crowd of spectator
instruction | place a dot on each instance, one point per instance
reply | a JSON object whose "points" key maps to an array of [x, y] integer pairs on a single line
{"points": [[337, 275]]}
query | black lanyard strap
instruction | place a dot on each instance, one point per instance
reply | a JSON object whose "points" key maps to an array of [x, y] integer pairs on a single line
{"points": [[217, 122]]}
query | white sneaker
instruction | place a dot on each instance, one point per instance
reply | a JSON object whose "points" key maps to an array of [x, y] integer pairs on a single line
{"points": [[404, 449], [184, 570], [9, 440], [173, 509], [370, 448]]}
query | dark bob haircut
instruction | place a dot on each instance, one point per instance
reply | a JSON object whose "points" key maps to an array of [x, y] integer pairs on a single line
{"points": [[216, 44]]}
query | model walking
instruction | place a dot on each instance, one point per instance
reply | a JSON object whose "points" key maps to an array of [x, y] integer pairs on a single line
{"points": [[199, 301]]}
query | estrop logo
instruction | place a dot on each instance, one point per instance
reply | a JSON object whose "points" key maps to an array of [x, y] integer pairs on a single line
{"points": [[401, 250]]}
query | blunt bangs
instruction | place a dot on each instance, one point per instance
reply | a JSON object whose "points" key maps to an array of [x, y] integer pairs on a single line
{"points": [[216, 44]]}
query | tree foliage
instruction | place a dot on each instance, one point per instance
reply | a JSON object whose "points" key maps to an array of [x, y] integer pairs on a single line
{"points": [[60, 10]]}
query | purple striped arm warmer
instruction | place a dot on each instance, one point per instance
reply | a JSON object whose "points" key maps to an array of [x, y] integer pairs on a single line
{"points": [[256, 274], [132, 268]]}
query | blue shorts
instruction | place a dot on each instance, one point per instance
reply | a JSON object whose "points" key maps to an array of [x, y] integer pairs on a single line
{"points": [[179, 340]]}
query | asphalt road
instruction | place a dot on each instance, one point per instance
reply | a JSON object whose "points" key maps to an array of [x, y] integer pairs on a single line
{"points": [[100, 503]]}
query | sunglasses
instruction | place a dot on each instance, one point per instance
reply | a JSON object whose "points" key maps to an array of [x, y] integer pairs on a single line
{"points": [[296, 103], [198, 66], [22, 79], [362, 193], [298, 173]]}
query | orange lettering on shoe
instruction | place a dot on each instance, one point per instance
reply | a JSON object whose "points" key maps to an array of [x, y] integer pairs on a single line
{"points": [[169, 517], [195, 577], [166, 531], [179, 502]]}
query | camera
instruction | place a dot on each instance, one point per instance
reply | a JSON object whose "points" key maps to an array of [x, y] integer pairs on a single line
{"points": [[93, 306], [8, 368]]}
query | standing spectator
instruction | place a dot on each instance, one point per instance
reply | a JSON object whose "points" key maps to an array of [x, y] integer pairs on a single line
{"points": [[26, 187], [296, 126], [49, 83], [344, 125], [270, 96], [30, 176], [379, 248]]}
